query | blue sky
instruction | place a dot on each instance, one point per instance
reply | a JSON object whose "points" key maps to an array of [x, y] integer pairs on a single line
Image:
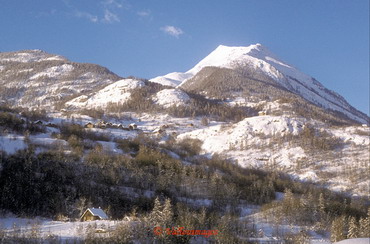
{"points": [[327, 39]]}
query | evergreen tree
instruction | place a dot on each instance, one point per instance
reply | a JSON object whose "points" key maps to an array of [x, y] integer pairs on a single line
{"points": [[167, 213], [162, 214], [353, 228], [322, 205], [288, 202], [337, 229], [155, 215], [367, 224], [364, 226]]}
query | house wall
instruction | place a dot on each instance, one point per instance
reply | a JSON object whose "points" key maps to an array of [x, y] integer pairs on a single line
{"points": [[89, 217]]}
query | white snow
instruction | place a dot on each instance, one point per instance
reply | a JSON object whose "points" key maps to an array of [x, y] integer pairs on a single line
{"points": [[171, 79], [261, 59], [118, 92], [21, 57], [219, 138], [12, 143], [31, 56], [171, 97], [196, 202], [289, 155], [223, 56], [54, 58], [255, 142], [54, 71], [109, 146], [45, 140], [357, 135], [47, 227], [354, 241], [308, 176]]}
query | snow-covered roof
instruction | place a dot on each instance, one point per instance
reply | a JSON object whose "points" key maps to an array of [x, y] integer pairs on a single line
{"points": [[98, 212]]}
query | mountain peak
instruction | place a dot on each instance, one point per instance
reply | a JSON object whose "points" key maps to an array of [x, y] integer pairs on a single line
{"points": [[258, 58], [258, 47]]}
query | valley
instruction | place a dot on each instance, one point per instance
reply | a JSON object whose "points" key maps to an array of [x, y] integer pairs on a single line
{"points": [[242, 143]]}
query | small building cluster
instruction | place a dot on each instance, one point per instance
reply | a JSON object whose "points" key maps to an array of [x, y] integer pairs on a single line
{"points": [[104, 125]]}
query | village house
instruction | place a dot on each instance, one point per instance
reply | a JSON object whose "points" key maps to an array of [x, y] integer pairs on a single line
{"points": [[101, 124], [132, 126], [51, 125], [94, 214], [89, 125], [158, 131], [261, 113]]}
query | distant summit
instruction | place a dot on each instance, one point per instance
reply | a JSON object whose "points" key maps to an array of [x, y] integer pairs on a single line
{"points": [[258, 60]]}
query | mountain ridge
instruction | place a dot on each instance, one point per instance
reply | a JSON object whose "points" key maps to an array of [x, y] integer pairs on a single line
{"points": [[262, 60], [34, 78]]}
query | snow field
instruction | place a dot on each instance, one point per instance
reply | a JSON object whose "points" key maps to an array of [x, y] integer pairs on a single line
{"points": [[171, 97]]}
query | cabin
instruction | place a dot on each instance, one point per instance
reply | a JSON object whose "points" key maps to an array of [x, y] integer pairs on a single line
{"points": [[101, 125], [38, 122], [115, 126], [163, 127], [132, 126], [89, 125], [158, 131], [51, 125], [261, 113], [93, 214]]}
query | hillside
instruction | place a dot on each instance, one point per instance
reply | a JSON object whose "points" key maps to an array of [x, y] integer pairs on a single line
{"points": [[242, 143], [35, 79]]}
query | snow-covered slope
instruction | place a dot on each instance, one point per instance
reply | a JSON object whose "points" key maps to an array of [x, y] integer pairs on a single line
{"points": [[34, 78], [29, 56], [354, 241], [262, 60], [172, 79], [268, 142], [220, 139], [171, 97], [118, 92]]}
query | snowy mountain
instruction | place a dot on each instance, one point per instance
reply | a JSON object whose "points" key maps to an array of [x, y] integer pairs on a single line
{"points": [[118, 92], [242, 135], [34, 78], [216, 102], [258, 60]]}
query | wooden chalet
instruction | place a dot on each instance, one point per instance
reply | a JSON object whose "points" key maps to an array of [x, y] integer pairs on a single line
{"points": [[89, 125], [94, 214], [262, 113], [132, 126]]}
